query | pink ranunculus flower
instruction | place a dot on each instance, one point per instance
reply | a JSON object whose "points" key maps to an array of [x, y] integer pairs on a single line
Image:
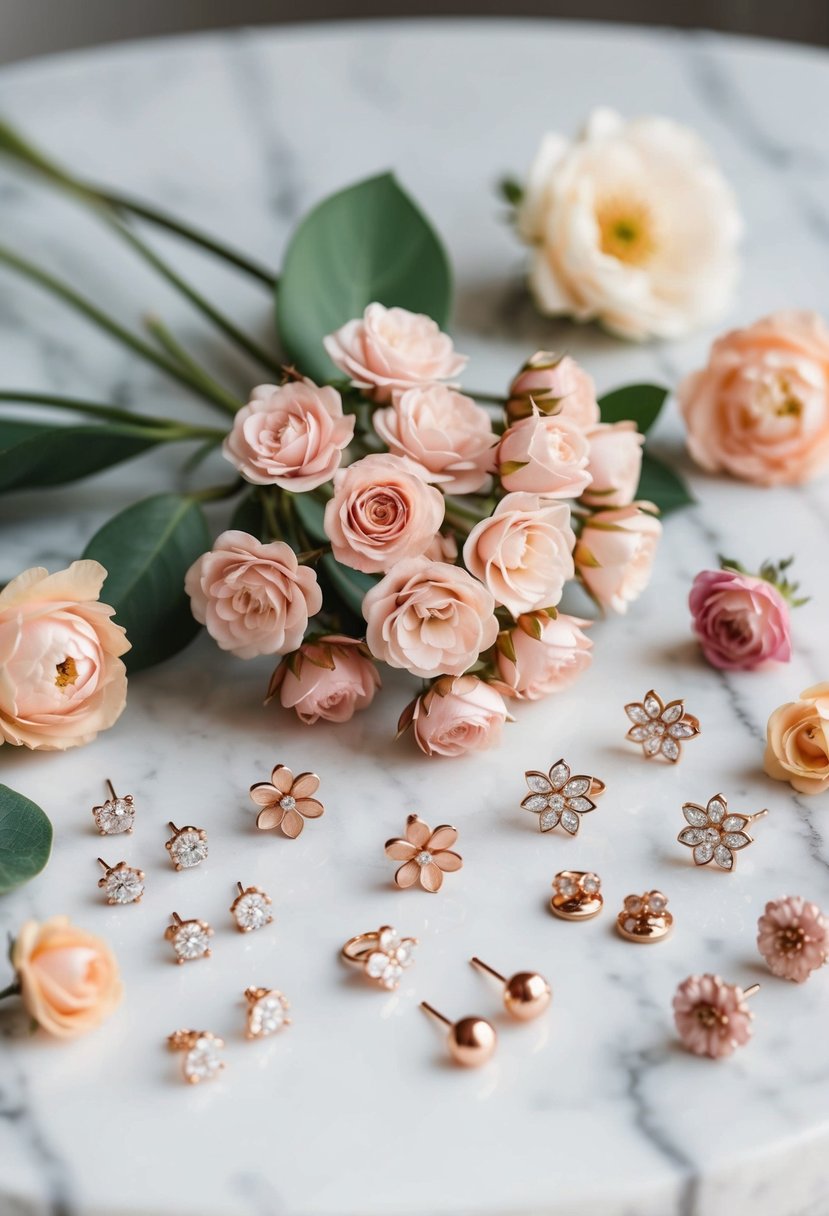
{"points": [[290, 436], [253, 598], [712, 1017], [555, 384], [456, 715], [523, 552], [329, 679], [392, 348], [61, 675], [546, 664], [797, 741], [742, 622], [545, 455], [382, 511], [615, 464], [444, 433], [614, 555], [429, 618], [759, 410], [793, 938]]}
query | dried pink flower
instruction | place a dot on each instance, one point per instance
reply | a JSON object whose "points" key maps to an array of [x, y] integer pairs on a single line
{"points": [[712, 1017], [793, 937]]}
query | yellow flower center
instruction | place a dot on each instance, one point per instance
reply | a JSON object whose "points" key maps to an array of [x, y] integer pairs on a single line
{"points": [[779, 398], [791, 939], [65, 672], [626, 230]]}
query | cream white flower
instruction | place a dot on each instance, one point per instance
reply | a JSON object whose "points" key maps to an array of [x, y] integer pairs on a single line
{"points": [[633, 225]]}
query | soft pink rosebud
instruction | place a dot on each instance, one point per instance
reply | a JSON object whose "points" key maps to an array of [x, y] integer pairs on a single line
{"points": [[742, 622], [614, 555], [544, 455], [556, 385], [447, 436], [532, 667], [615, 464], [329, 678], [456, 715]]}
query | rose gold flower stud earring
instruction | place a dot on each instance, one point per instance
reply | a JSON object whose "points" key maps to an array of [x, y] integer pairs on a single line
{"points": [[187, 846], [202, 1060], [471, 1041], [286, 801], [383, 955], [426, 855], [251, 909], [714, 834], [712, 1017], [190, 939], [645, 918], [660, 728], [793, 938], [267, 1012], [526, 994], [559, 799], [577, 895], [121, 883], [116, 815]]}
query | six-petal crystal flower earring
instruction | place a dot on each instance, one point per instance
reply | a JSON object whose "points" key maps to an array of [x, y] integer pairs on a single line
{"points": [[122, 884], [714, 834], [577, 895], [190, 939], [793, 938], [187, 846], [202, 1060], [267, 1012], [116, 815], [558, 798], [383, 955], [471, 1040], [645, 918], [426, 855], [251, 909], [661, 729], [526, 994], [286, 801], [712, 1017]]}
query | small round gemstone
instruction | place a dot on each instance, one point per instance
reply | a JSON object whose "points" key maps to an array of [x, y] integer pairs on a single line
{"points": [[123, 885], [288, 803], [188, 849], [203, 1061], [658, 903], [252, 911], [556, 803], [191, 941], [590, 884], [423, 858], [115, 816], [268, 1015]]}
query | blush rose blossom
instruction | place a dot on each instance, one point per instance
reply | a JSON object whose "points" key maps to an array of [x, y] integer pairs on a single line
{"points": [[429, 618], [797, 742], [742, 622], [544, 454], [546, 664], [523, 552], [615, 553], [392, 348], [759, 409], [456, 715], [61, 675], [555, 384], [712, 1017], [382, 511], [253, 598], [290, 436], [793, 938], [329, 679], [615, 464], [445, 434]]}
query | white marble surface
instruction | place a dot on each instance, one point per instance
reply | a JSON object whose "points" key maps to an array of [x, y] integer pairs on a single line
{"points": [[594, 1109]]}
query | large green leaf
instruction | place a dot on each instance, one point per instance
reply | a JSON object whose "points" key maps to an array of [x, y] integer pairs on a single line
{"points": [[659, 484], [367, 243], [25, 839], [311, 514], [249, 516], [147, 550], [33, 454], [350, 585], [639, 403]]}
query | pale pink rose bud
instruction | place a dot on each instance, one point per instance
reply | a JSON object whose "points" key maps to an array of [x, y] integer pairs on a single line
{"points": [[429, 618], [444, 433], [61, 676], [253, 598], [712, 1017], [742, 622], [329, 679], [544, 455], [545, 657], [290, 436], [392, 348], [615, 464], [523, 552], [614, 555], [555, 384], [456, 715], [69, 979], [382, 511]]}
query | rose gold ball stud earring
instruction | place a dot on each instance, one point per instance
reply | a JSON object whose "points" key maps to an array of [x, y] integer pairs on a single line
{"points": [[121, 883], [187, 846], [267, 1012], [660, 728], [645, 918], [190, 939], [557, 798], [526, 994], [578, 895], [714, 834], [712, 1017], [116, 815], [383, 955], [251, 909], [202, 1060], [471, 1040]]}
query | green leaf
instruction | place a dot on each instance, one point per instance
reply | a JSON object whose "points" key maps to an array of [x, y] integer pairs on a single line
{"points": [[25, 839], [659, 484], [511, 191], [367, 243], [311, 514], [33, 454], [249, 516], [147, 550], [350, 585], [639, 403]]}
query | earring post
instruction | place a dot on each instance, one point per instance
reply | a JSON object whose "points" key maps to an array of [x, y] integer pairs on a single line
{"points": [[430, 1009], [111, 788], [476, 962]]}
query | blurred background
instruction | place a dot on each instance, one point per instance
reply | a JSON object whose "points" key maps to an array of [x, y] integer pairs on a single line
{"points": [[36, 27]]}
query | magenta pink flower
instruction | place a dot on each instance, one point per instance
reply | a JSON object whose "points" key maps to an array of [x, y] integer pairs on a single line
{"points": [[793, 938], [712, 1017], [742, 622]]}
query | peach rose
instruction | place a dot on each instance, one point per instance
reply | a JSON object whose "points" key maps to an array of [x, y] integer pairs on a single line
{"points": [[446, 435], [523, 552], [429, 618], [556, 385], [292, 436], [456, 715], [532, 667], [69, 980], [544, 455], [382, 511], [392, 348], [443, 548], [329, 678], [252, 598], [615, 464], [797, 742], [615, 553], [760, 409], [61, 675]]}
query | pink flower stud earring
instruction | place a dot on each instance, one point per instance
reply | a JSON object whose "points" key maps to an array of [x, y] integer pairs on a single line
{"points": [[383, 955], [286, 801], [426, 855], [714, 834], [712, 1017], [793, 938], [661, 729]]}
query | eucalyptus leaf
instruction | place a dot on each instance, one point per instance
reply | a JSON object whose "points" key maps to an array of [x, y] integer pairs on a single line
{"points": [[25, 839], [350, 585], [639, 403], [659, 484], [34, 454]]}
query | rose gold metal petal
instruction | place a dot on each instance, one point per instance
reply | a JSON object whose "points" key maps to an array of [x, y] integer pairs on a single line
{"points": [[400, 850], [417, 832], [309, 807], [270, 817], [447, 860], [263, 793], [408, 874], [305, 784], [282, 779], [292, 824], [431, 877], [442, 838]]}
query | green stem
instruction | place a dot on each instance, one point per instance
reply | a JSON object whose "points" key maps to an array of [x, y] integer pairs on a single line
{"points": [[188, 364], [490, 398], [216, 493], [111, 413], [270, 513], [12, 990]]}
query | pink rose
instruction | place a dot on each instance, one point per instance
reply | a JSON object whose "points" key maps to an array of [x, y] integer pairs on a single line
{"points": [[253, 598], [556, 385], [382, 511], [456, 715], [61, 676], [392, 348], [292, 436], [742, 622], [615, 553], [69, 979], [760, 409], [544, 455], [429, 618], [329, 678], [443, 548], [447, 436], [615, 464], [532, 667], [523, 552]]}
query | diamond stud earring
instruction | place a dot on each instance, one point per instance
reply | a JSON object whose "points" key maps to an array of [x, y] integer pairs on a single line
{"points": [[122, 884], [426, 855], [116, 815], [383, 955], [578, 895], [660, 728], [251, 909], [712, 1017], [202, 1060], [187, 846], [190, 939], [471, 1041], [645, 918], [526, 994], [267, 1012], [714, 834], [559, 799]]}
